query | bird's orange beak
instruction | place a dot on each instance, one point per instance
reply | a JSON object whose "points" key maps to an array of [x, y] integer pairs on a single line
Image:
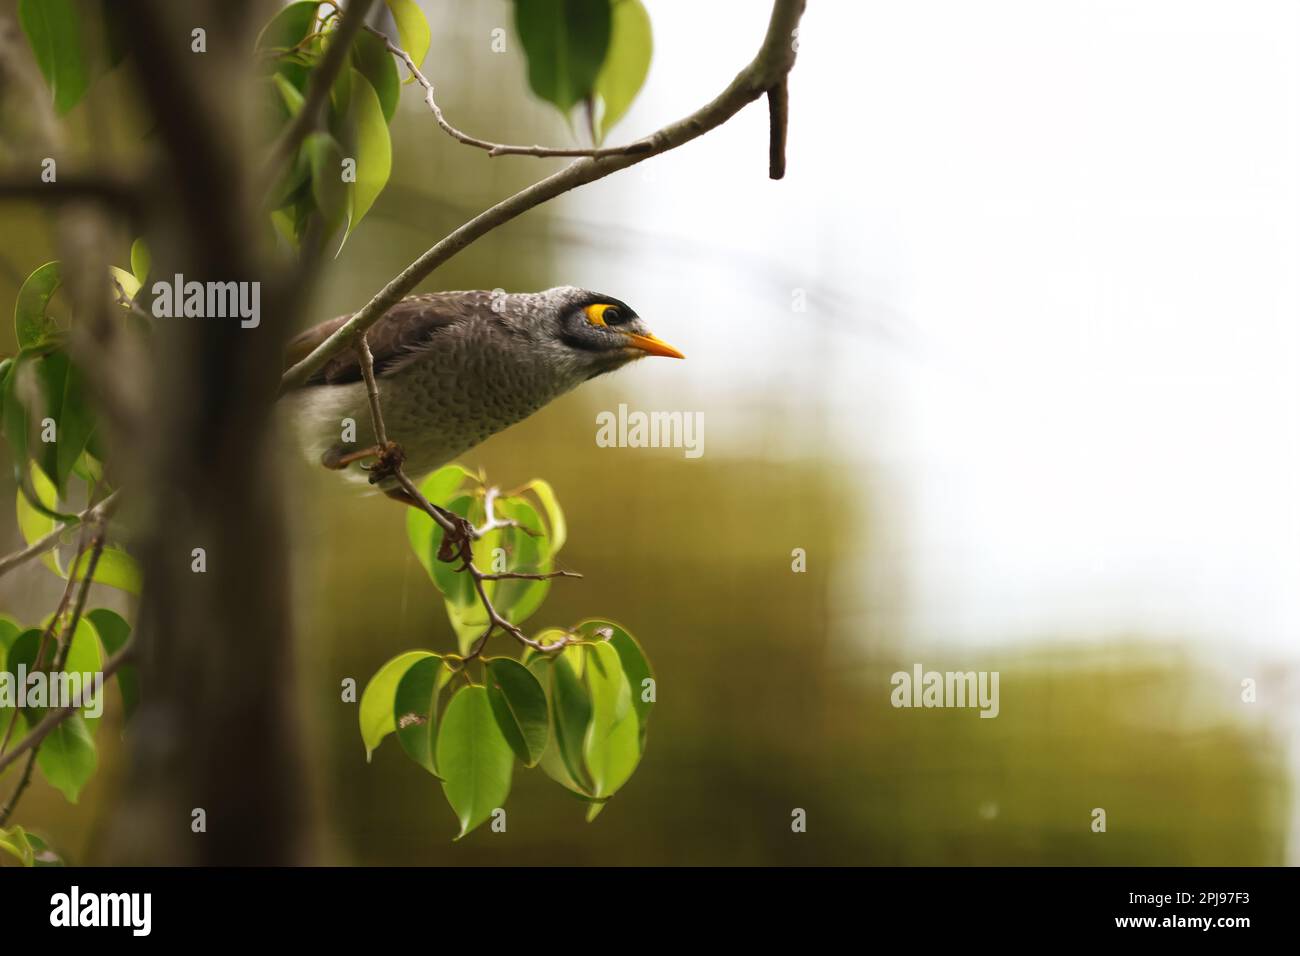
{"points": [[653, 346]]}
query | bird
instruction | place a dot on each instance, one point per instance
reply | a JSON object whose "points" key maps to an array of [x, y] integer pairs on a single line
{"points": [[454, 368]]}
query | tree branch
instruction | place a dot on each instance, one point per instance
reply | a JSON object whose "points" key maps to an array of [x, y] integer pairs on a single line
{"points": [[497, 149], [778, 117], [110, 191], [772, 62]]}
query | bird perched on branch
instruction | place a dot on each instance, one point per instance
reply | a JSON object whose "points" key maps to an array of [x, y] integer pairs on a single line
{"points": [[453, 368]]}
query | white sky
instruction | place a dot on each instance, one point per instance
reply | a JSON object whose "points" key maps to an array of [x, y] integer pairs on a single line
{"points": [[1082, 222]]}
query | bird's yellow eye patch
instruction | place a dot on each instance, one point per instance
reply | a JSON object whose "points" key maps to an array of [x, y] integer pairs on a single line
{"points": [[596, 313]]}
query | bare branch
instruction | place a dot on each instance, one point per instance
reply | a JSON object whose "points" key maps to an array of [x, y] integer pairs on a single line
{"points": [[498, 149], [773, 61], [525, 576], [70, 187]]}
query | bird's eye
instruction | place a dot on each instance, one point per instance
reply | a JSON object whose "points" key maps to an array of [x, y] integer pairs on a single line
{"points": [[603, 314]]}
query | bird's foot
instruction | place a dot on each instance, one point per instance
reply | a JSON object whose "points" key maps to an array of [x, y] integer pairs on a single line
{"points": [[388, 459], [457, 545]]}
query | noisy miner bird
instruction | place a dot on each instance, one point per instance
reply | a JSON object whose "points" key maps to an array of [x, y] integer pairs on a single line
{"points": [[454, 368]]}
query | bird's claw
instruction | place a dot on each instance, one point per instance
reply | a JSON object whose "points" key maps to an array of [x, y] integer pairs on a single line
{"points": [[388, 459], [455, 544]]}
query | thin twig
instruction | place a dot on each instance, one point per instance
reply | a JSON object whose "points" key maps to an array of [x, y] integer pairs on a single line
{"points": [[23, 781], [53, 718], [499, 149], [66, 635], [38, 547], [529, 576], [773, 60], [493, 522], [48, 633]]}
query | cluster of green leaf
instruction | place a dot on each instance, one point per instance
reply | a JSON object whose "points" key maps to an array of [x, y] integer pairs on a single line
{"points": [[49, 424], [51, 433], [337, 173], [67, 756], [580, 713], [590, 52]]}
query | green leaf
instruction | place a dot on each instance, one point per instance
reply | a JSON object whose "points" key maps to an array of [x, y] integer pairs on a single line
{"points": [[9, 629], [24, 648], [373, 154], [292, 188], [140, 261], [290, 96], [421, 530], [22, 652], [325, 158], [113, 632], [129, 283], [565, 42], [89, 468], [612, 746], [552, 763], [67, 757], [117, 569], [370, 55], [519, 705], [285, 31], [415, 710], [376, 711], [289, 27], [15, 842], [34, 524], [52, 373], [84, 657], [474, 758], [53, 29], [527, 552], [412, 29], [635, 664], [571, 713], [32, 324], [75, 424], [554, 514], [43, 854], [15, 415], [630, 48]]}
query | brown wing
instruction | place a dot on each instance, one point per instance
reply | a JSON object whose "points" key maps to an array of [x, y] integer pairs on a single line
{"points": [[409, 326]]}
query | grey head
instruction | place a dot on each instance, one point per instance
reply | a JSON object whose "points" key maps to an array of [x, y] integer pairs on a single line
{"points": [[581, 333]]}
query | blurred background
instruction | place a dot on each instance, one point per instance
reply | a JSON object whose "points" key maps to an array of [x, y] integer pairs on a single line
{"points": [[1011, 353]]}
